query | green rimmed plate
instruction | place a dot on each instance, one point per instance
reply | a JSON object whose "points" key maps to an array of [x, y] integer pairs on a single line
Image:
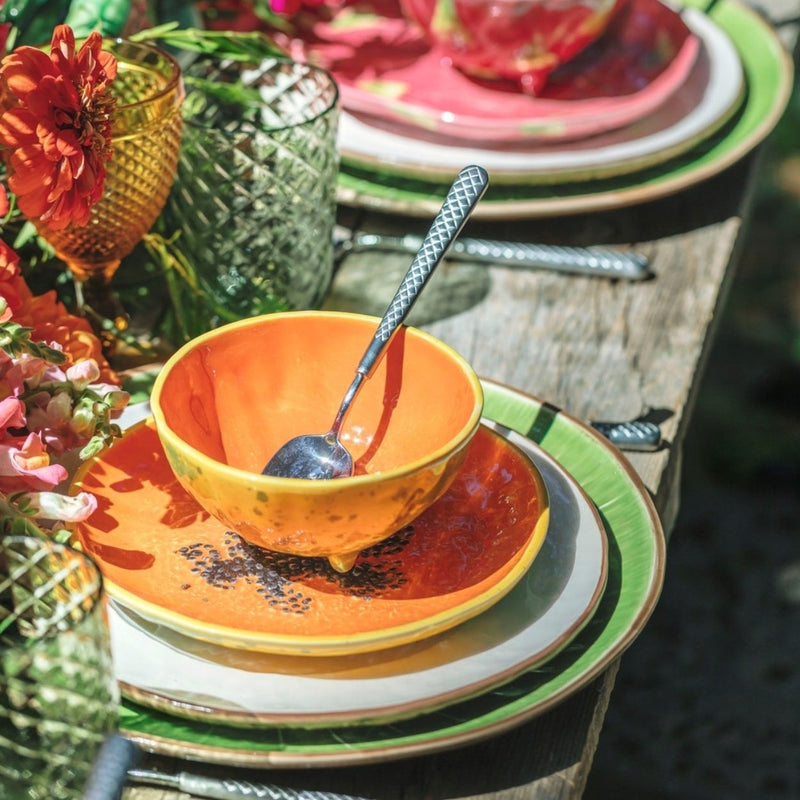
{"points": [[768, 74], [635, 575], [185, 676]]}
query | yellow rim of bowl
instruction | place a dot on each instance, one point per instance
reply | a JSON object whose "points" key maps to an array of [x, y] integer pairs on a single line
{"points": [[301, 484]]}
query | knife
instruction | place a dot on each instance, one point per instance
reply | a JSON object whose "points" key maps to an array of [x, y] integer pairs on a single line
{"points": [[227, 788], [116, 766], [637, 434], [597, 261]]}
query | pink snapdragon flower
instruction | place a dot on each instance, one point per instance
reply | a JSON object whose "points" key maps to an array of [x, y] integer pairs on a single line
{"points": [[63, 406], [25, 463], [52, 400], [12, 414]]}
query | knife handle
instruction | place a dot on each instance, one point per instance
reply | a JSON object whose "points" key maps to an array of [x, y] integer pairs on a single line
{"points": [[229, 789], [597, 261], [635, 435], [574, 260], [114, 759]]}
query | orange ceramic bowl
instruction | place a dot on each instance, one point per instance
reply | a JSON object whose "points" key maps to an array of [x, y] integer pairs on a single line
{"points": [[521, 41], [227, 400]]}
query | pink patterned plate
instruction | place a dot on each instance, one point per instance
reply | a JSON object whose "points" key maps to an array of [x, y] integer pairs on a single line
{"points": [[387, 71]]}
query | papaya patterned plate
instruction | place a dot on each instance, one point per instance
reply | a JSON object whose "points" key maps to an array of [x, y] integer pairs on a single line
{"points": [[167, 559], [636, 552], [387, 71], [165, 670]]}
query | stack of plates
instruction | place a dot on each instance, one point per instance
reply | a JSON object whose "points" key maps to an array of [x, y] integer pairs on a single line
{"points": [[664, 99], [438, 651]]}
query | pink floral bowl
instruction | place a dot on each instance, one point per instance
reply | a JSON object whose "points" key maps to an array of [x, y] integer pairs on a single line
{"points": [[521, 41]]}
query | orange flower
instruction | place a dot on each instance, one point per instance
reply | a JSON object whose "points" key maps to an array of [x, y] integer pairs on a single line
{"points": [[58, 127], [48, 318], [51, 322], [13, 289]]}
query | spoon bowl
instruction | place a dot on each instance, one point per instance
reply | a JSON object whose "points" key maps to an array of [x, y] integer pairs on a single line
{"points": [[314, 456]]}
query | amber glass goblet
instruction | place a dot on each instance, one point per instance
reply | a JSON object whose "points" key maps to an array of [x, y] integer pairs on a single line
{"points": [[146, 138]]}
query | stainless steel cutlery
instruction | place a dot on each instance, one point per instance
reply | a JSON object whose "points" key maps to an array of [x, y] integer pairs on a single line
{"points": [[227, 788], [597, 261], [635, 435]]}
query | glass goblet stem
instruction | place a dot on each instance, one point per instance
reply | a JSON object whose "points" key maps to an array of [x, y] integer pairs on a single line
{"points": [[96, 298]]}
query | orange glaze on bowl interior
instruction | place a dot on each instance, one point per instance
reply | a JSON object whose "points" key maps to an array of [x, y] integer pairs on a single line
{"points": [[226, 401], [166, 558]]}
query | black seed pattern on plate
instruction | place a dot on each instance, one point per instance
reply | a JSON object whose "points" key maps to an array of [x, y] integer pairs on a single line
{"points": [[279, 577]]}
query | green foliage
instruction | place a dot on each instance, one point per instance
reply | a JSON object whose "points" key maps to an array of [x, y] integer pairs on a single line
{"points": [[106, 16], [156, 284], [239, 46], [195, 304], [16, 519], [33, 20], [221, 18], [16, 340], [783, 141]]}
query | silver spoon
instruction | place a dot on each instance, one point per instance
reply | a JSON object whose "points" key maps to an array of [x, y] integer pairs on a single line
{"points": [[322, 456]]}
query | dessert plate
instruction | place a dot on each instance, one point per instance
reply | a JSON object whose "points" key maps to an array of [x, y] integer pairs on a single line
{"points": [[768, 71], [636, 551], [162, 669], [164, 557], [386, 70], [707, 98]]}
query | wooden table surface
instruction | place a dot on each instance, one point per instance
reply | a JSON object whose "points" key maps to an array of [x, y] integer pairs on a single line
{"points": [[597, 348]]}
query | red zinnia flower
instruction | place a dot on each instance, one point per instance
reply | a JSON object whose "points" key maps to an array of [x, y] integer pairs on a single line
{"points": [[57, 127]]}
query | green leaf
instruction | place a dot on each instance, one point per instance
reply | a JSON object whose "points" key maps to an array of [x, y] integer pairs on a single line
{"points": [[15, 520], [240, 46], [33, 20], [92, 447], [15, 340], [106, 16]]}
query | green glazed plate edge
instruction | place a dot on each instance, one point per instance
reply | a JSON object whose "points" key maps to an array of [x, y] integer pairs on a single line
{"points": [[636, 572]]}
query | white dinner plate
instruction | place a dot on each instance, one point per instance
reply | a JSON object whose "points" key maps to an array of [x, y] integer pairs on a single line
{"points": [[709, 97], [162, 669]]}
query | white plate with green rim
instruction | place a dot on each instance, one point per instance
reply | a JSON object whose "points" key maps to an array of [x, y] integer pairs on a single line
{"points": [[708, 97], [636, 550], [768, 74], [185, 676]]}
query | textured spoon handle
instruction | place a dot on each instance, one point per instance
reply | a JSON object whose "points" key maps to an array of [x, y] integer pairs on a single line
{"points": [[468, 187]]}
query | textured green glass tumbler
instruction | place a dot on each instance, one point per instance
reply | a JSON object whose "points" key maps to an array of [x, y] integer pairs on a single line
{"points": [[58, 694], [254, 201]]}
